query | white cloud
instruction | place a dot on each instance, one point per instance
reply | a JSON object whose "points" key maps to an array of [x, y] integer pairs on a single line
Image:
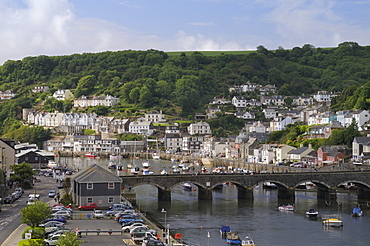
{"points": [[314, 22], [201, 43]]}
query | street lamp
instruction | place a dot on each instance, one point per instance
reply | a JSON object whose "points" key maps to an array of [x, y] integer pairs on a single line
{"points": [[165, 224]]}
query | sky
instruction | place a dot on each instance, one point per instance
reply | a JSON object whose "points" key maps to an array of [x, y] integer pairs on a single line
{"points": [[64, 27]]}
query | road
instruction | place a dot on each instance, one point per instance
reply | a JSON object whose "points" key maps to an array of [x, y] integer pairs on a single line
{"points": [[10, 217]]}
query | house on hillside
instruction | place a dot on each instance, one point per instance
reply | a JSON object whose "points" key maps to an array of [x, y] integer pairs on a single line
{"points": [[95, 184], [361, 148], [330, 154], [62, 95], [155, 116], [298, 154]]}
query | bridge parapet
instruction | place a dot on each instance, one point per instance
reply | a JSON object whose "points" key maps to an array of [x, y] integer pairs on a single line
{"points": [[285, 181]]}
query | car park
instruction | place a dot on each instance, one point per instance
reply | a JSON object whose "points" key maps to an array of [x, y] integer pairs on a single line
{"points": [[88, 206], [98, 214], [52, 193]]}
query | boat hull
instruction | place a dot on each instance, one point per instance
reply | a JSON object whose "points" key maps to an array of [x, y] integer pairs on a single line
{"points": [[286, 208]]}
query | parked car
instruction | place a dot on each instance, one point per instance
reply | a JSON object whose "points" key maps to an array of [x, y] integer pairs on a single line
{"points": [[127, 228], [52, 193], [120, 205], [113, 212], [57, 231], [63, 208], [62, 213], [53, 224], [150, 241], [52, 240], [88, 206], [127, 218], [132, 222], [98, 214], [140, 229], [8, 200], [57, 218]]}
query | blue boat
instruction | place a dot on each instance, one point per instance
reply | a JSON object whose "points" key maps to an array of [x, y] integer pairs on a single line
{"points": [[187, 186], [356, 212], [233, 238], [224, 231]]}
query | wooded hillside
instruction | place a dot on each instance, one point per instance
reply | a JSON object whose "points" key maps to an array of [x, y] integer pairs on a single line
{"points": [[183, 84]]}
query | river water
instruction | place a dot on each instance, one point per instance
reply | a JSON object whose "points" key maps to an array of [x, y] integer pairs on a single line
{"points": [[195, 220]]}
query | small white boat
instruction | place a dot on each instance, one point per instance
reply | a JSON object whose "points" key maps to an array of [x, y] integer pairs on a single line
{"points": [[164, 172], [356, 212], [187, 186], [112, 165], [146, 164], [156, 156], [269, 185], [332, 220], [247, 241], [286, 208], [312, 213]]}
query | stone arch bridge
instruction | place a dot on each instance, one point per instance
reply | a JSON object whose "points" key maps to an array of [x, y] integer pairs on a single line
{"points": [[326, 183]]}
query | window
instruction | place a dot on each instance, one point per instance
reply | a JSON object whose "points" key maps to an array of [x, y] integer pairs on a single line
{"points": [[89, 186], [36, 158], [111, 185], [110, 199], [89, 200]]}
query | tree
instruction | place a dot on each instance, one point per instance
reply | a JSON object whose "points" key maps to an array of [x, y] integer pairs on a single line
{"points": [[35, 214], [70, 239], [22, 172], [85, 85]]}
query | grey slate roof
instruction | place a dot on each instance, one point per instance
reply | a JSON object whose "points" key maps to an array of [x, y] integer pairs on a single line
{"points": [[95, 174], [298, 151]]}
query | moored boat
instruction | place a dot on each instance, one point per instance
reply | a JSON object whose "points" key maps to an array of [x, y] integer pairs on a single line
{"points": [[146, 164], [90, 155], [312, 213], [333, 220], [187, 186], [233, 238], [112, 165], [247, 241], [156, 156], [356, 212], [224, 231], [269, 185], [286, 208]]}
